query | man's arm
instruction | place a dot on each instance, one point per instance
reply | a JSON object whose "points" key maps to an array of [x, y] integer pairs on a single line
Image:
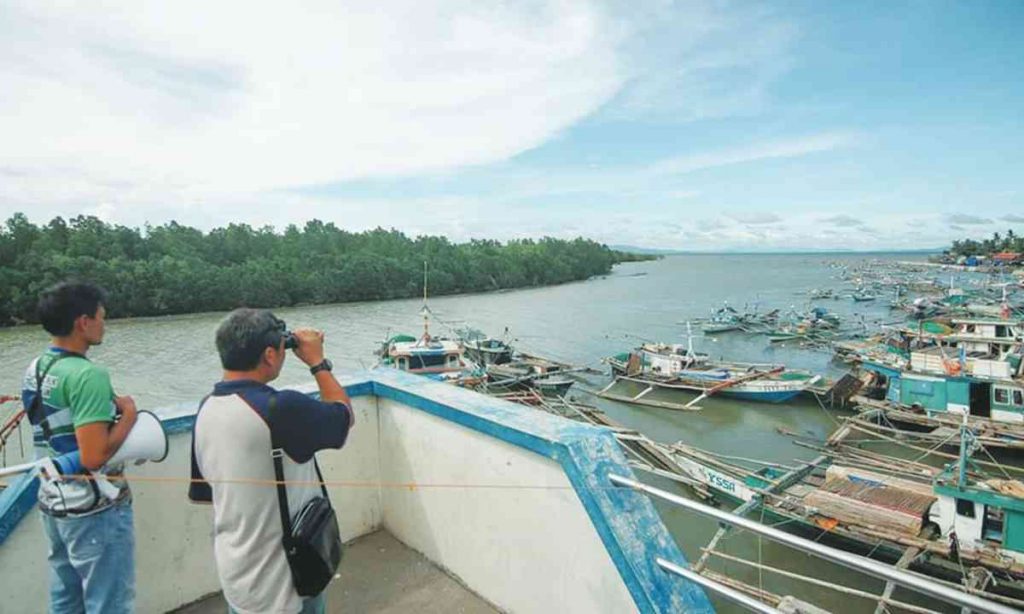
{"points": [[304, 425], [311, 351], [99, 441]]}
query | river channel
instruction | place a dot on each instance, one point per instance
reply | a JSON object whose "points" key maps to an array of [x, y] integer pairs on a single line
{"points": [[168, 361]]}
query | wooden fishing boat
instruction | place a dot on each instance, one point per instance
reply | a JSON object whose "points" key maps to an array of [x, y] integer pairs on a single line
{"points": [[677, 367], [861, 504], [484, 350], [723, 319], [428, 355]]}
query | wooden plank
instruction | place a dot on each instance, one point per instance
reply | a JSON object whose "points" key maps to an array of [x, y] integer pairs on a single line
{"points": [[906, 559]]}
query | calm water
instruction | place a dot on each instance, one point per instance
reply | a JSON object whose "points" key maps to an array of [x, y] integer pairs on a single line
{"points": [[172, 360]]}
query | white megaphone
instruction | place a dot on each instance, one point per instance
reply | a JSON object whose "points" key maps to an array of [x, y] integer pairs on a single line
{"points": [[147, 441]]}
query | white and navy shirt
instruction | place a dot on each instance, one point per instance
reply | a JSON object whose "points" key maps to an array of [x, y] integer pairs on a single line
{"points": [[231, 450]]}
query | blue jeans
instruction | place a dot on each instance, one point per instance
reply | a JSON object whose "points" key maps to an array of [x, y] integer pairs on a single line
{"points": [[310, 605], [92, 562]]}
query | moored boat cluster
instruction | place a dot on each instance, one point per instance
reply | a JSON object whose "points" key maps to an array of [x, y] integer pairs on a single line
{"points": [[941, 383]]}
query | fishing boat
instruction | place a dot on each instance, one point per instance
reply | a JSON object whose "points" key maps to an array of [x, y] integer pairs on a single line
{"points": [[862, 296], [723, 319], [484, 350], [437, 358], [548, 377], [429, 355], [937, 521], [678, 367]]}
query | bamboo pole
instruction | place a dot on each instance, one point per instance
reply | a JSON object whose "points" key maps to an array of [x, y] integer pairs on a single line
{"points": [[822, 583], [943, 454]]}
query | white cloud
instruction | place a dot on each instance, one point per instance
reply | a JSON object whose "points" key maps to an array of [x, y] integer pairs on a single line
{"points": [[188, 101], [770, 150], [711, 62], [963, 219], [756, 219], [845, 221]]}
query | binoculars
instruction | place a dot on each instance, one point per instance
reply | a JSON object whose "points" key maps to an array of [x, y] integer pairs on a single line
{"points": [[290, 340]]}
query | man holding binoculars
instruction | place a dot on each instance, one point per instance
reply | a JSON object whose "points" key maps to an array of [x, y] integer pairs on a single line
{"points": [[246, 434]]}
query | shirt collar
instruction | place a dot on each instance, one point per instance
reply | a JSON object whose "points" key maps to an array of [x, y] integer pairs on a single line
{"points": [[237, 385], [56, 350]]}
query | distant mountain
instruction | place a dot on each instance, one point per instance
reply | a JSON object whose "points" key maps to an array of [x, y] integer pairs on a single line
{"points": [[632, 249]]}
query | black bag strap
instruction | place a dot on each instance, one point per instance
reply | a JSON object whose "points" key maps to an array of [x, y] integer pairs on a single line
{"points": [[199, 490], [277, 453], [37, 413]]}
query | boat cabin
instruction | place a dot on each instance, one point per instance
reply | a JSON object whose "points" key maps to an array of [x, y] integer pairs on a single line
{"points": [[999, 400], [1003, 402], [426, 356], [978, 335], [982, 517]]}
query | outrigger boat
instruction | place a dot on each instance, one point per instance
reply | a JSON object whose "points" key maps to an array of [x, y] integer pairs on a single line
{"points": [[722, 320], [678, 367], [938, 521], [435, 357], [484, 350], [548, 377]]}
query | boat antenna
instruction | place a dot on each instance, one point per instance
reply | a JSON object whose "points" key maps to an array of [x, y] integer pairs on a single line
{"points": [[425, 310], [968, 443], [689, 341]]}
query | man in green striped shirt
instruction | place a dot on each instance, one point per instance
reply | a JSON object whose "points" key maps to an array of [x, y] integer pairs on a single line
{"points": [[72, 407]]}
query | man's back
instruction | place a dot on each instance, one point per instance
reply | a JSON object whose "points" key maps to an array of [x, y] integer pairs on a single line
{"points": [[75, 392], [233, 454]]}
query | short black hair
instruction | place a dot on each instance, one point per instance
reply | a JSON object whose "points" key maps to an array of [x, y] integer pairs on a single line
{"points": [[244, 334], [60, 305]]}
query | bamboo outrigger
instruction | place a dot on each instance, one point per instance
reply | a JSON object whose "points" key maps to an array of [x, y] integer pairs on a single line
{"points": [[939, 521]]}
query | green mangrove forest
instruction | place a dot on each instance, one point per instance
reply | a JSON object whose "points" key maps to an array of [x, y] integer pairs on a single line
{"points": [[175, 269]]}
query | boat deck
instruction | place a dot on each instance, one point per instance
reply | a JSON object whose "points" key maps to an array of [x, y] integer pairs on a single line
{"points": [[381, 574]]}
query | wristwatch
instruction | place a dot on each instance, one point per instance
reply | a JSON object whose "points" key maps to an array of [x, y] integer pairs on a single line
{"points": [[325, 365]]}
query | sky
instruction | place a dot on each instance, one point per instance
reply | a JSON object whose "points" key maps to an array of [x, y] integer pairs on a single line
{"points": [[703, 125]]}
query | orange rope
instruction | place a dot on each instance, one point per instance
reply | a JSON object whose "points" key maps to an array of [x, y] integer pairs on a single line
{"points": [[340, 483]]}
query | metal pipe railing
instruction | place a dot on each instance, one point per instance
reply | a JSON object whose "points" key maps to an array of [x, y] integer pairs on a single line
{"points": [[862, 564], [728, 592]]}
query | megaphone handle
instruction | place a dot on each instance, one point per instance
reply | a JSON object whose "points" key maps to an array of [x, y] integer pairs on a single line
{"points": [[106, 489]]}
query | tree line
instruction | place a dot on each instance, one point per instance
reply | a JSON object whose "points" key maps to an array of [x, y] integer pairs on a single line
{"points": [[175, 269], [1010, 242]]}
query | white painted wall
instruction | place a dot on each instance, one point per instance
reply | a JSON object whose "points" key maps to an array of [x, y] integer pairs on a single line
{"points": [[524, 550]]}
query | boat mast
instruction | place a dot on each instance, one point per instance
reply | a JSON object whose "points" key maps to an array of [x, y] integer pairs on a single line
{"points": [[425, 310], [967, 443], [689, 342]]}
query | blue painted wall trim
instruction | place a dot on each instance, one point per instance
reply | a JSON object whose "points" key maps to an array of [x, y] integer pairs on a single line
{"points": [[626, 521]]}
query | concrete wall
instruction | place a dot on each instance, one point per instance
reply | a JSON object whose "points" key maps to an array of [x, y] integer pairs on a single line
{"points": [[522, 549], [514, 502]]}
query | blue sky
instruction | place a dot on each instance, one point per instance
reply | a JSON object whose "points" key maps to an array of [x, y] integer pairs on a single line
{"points": [[686, 125]]}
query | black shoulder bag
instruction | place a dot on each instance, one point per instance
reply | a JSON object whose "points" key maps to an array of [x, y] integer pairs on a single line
{"points": [[311, 541]]}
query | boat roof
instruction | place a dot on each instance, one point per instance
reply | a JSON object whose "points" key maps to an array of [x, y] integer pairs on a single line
{"points": [[994, 321], [434, 346]]}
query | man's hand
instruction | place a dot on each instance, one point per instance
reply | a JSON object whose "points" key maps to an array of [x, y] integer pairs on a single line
{"points": [[126, 407], [98, 441], [311, 346]]}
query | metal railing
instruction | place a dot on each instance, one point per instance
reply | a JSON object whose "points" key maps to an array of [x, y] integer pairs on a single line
{"points": [[728, 592], [859, 563]]}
